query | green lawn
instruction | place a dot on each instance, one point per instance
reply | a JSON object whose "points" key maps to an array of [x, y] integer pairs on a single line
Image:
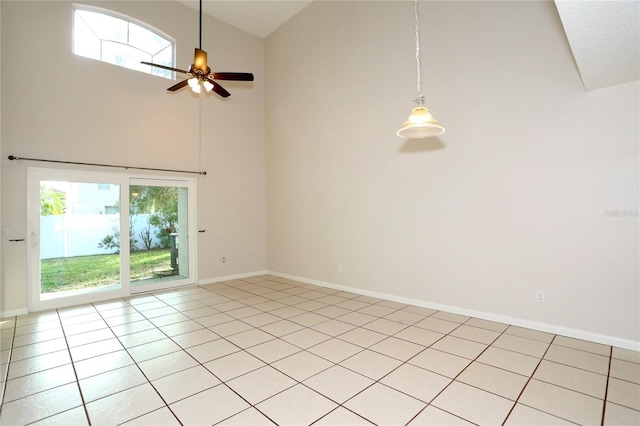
{"points": [[70, 273]]}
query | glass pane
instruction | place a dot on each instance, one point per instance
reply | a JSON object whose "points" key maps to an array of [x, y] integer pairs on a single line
{"points": [[164, 57], [120, 42], [123, 55], [85, 41], [106, 27], [146, 40], [79, 237], [158, 231]]}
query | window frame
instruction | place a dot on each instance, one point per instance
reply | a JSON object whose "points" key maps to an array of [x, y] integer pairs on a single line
{"points": [[129, 20]]}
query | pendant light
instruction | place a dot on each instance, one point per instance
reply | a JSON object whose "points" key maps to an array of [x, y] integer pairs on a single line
{"points": [[420, 123]]}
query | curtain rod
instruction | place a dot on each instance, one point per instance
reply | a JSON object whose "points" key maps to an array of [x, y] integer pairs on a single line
{"points": [[13, 157]]}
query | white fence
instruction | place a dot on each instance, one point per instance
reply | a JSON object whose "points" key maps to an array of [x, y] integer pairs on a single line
{"points": [[79, 235]]}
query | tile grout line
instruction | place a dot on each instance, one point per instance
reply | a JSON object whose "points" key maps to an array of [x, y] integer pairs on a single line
{"points": [[59, 318], [6, 374], [385, 375], [462, 371], [125, 349], [222, 382], [531, 378], [341, 404], [361, 326], [275, 336], [246, 290], [136, 362], [73, 366], [222, 337], [407, 362], [306, 350], [297, 382], [553, 342], [606, 388]]}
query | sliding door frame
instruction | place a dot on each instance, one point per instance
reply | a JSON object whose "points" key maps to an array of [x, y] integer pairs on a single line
{"points": [[35, 175]]}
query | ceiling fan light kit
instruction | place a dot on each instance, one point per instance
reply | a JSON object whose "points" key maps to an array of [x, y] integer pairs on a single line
{"points": [[200, 75], [420, 123], [197, 85]]}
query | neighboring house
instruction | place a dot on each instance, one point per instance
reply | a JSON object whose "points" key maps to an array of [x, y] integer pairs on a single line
{"points": [[95, 198]]}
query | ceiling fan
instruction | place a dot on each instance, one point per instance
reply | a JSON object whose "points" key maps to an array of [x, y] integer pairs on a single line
{"points": [[200, 75]]}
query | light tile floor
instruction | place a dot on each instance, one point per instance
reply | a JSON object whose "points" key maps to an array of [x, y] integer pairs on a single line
{"points": [[267, 350]]}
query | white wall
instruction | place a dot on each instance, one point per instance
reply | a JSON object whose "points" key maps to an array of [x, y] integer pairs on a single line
{"points": [[510, 200], [4, 240], [60, 106]]}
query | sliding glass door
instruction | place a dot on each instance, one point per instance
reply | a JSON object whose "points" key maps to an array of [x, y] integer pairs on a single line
{"points": [[75, 228], [161, 233], [97, 236]]}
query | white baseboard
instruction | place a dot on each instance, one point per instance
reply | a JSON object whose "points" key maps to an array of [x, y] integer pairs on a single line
{"points": [[231, 277], [13, 313], [519, 322]]}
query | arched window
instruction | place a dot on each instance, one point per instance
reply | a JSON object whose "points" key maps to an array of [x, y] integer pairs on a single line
{"points": [[117, 39]]}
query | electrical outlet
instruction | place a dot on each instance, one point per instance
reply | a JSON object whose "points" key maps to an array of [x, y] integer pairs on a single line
{"points": [[540, 296], [223, 260], [7, 232], [340, 269]]}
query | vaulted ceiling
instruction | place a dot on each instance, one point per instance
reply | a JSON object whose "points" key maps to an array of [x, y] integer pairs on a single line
{"points": [[603, 35], [258, 17], [604, 39]]}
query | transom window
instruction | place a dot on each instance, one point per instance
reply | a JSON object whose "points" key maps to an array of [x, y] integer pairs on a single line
{"points": [[117, 39]]}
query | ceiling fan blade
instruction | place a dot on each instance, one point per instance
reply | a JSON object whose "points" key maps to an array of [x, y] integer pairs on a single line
{"points": [[200, 60], [234, 76], [163, 67], [219, 89], [179, 85]]}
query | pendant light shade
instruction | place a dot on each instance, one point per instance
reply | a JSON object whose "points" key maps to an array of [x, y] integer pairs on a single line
{"points": [[420, 123]]}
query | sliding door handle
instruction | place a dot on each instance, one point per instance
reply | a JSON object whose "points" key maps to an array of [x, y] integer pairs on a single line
{"points": [[34, 240]]}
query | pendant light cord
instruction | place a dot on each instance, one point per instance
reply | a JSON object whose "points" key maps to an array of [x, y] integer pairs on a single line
{"points": [[419, 100], [200, 25]]}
